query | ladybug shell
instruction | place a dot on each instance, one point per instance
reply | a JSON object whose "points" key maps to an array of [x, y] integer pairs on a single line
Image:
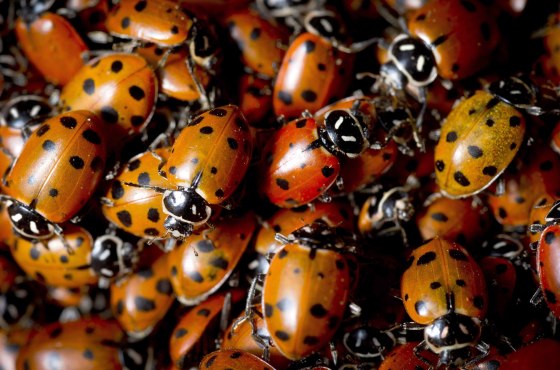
{"points": [[462, 35], [138, 210], [6, 231], [258, 41], [67, 146], [10, 343], [162, 22], [302, 320], [542, 354], [288, 220], [439, 269], [458, 220], [234, 360], [478, 141], [82, 344], [201, 265], [538, 214], [255, 99], [92, 14], [500, 277], [310, 62], [217, 146], [141, 300], [298, 168], [192, 327], [11, 145], [537, 174], [174, 77], [242, 339], [9, 272], [403, 357], [49, 262], [548, 256], [52, 45], [120, 88]]}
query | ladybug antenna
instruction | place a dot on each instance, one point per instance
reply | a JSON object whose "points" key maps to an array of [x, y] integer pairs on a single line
{"points": [[155, 188]]}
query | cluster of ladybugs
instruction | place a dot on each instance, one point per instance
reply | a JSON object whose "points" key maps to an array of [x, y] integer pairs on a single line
{"points": [[279, 184]]}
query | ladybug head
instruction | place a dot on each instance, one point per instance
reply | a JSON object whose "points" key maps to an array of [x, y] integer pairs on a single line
{"points": [[514, 91], [344, 133], [203, 44], [112, 257], [367, 342], [554, 214], [325, 24], [450, 336], [411, 62], [29, 223], [178, 229], [25, 111]]}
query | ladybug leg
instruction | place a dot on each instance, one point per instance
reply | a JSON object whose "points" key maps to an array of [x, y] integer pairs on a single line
{"points": [[113, 172], [204, 101], [537, 298], [106, 202], [416, 129], [59, 232], [361, 45], [484, 349]]}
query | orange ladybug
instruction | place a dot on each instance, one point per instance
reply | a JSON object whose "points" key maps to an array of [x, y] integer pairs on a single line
{"points": [[234, 360]]}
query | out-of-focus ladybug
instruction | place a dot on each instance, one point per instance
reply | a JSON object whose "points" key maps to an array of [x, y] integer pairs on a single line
{"points": [[481, 136], [86, 343], [142, 299], [192, 331], [25, 112], [259, 42], [385, 214], [120, 88], [70, 145], [538, 216], [112, 258], [301, 321], [51, 44], [11, 342], [443, 288], [50, 263], [464, 221], [365, 342], [301, 160], [255, 99], [233, 359], [542, 354], [207, 163], [288, 220], [200, 265]]}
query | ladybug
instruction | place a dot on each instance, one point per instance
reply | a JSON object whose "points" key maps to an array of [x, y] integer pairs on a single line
{"points": [[384, 215], [443, 288], [113, 258], [538, 216], [501, 277], [191, 332], [464, 221], [25, 112], [200, 265], [69, 145], [438, 45], [11, 342], [287, 8], [141, 300], [255, 99], [302, 321], [207, 163], [233, 359], [120, 88], [138, 210], [288, 220], [313, 59], [240, 336], [49, 261], [480, 138], [258, 41], [301, 160], [51, 44], [86, 344]]}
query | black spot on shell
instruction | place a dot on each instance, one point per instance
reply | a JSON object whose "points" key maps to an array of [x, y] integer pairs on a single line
{"points": [[34, 253], [438, 216], [501, 268], [219, 262], [96, 164], [309, 46], [513, 146], [283, 253], [174, 30], [455, 67], [502, 212], [125, 218], [284, 304], [136, 121], [321, 67], [42, 130], [440, 166], [204, 312], [309, 96], [490, 170], [327, 171], [141, 5], [91, 136], [144, 304], [478, 302], [195, 276], [514, 121], [492, 102], [117, 190], [458, 255], [285, 97], [116, 66], [550, 296], [236, 354], [53, 192], [451, 137], [440, 40], [468, 6], [268, 310], [144, 178], [549, 237], [461, 179], [206, 130], [219, 193], [77, 162], [64, 259], [490, 122], [255, 33], [136, 92], [474, 151], [310, 340], [48, 145], [318, 311], [181, 332], [233, 144], [109, 115], [153, 214], [435, 285], [283, 184], [134, 165], [426, 258], [56, 332], [218, 112], [213, 170], [89, 86], [88, 354], [460, 282], [282, 335], [125, 22]]}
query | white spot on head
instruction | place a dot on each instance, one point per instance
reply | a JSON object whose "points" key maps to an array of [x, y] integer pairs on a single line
{"points": [[107, 272], [33, 227], [17, 217], [348, 138], [463, 329], [376, 342], [420, 63], [445, 332], [326, 25], [35, 110], [193, 209], [407, 47], [14, 112], [338, 122], [106, 253]]}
